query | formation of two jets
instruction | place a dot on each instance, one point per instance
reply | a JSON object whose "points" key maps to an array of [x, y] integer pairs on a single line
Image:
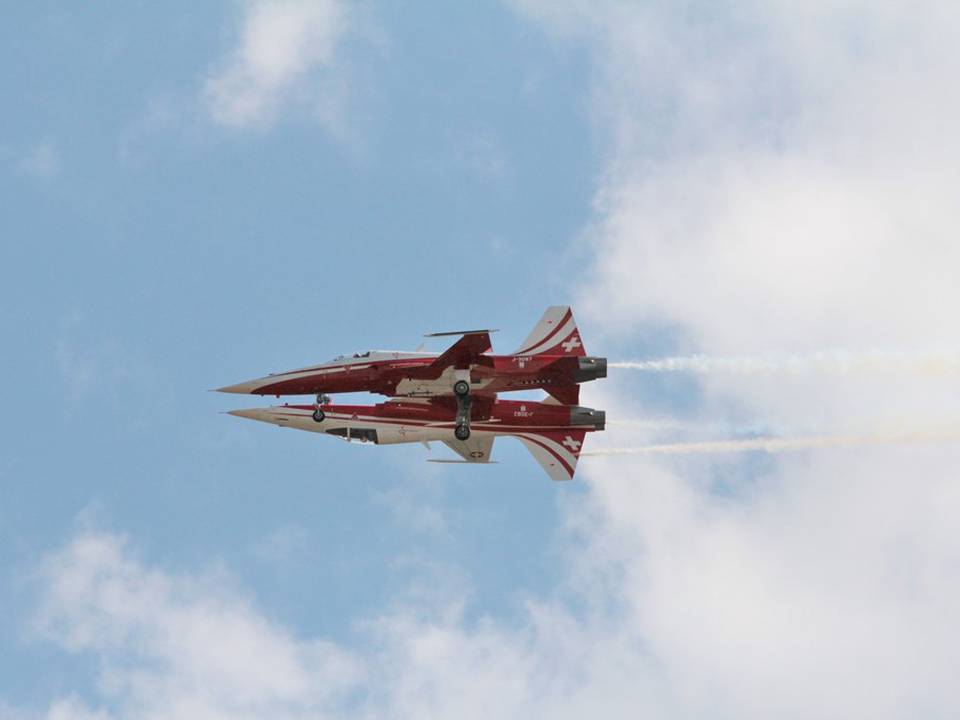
{"points": [[452, 396]]}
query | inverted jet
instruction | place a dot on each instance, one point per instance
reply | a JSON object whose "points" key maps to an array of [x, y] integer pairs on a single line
{"points": [[553, 433]]}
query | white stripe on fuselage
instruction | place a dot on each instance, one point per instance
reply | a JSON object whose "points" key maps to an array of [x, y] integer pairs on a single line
{"points": [[494, 426], [378, 357]]}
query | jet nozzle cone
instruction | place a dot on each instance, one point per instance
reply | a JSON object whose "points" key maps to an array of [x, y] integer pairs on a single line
{"points": [[590, 368], [588, 416]]}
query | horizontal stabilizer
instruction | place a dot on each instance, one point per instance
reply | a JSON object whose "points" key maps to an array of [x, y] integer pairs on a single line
{"points": [[460, 332]]}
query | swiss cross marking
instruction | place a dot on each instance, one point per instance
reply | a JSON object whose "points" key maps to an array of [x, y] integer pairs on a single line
{"points": [[569, 345], [571, 443]]}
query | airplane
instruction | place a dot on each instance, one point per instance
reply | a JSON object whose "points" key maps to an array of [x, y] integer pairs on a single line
{"points": [[552, 432], [552, 358]]}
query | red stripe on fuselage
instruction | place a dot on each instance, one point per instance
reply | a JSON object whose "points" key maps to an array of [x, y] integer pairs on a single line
{"points": [[500, 371]]}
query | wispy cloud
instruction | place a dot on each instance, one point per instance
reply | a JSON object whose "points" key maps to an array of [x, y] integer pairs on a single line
{"points": [[42, 160], [178, 646], [781, 178], [283, 49], [715, 602]]}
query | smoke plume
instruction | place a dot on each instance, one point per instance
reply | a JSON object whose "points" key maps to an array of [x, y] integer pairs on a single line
{"points": [[775, 445], [829, 361]]}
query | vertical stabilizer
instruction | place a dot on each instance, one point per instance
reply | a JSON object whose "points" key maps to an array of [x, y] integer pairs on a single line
{"points": [[555, 334], [557, 451]]}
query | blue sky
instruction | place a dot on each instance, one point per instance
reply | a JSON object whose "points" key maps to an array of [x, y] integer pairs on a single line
{"points": [[197, 194]]}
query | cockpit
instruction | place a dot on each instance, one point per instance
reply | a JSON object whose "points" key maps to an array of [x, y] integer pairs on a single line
{"points": [[355, 356]]}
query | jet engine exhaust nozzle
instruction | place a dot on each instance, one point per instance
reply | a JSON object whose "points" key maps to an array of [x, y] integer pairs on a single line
{"points": [[588, 416], [590, 368]]}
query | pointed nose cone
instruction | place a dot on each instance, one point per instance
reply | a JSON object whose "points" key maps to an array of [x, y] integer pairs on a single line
{"points": [[261, 414], [244, 388]]}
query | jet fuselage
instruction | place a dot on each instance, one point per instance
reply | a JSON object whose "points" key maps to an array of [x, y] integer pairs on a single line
{"points": [[553, 433], [408, 374]]}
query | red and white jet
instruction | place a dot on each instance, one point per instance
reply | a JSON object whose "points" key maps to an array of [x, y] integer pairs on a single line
{"points": [[552, 358], [552, 432]]}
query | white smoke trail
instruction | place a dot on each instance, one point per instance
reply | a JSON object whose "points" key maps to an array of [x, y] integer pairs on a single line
{"points": [[833, 361], [666, 424], [695, 426], [774, 445]]}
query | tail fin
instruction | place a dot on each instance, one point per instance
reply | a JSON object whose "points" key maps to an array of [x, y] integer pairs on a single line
{"points": [[557, 451], [555, 334]]}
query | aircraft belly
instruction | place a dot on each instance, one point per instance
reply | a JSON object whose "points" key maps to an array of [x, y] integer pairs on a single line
{"points": [[381, 433], [443, 385], [396, 434]]}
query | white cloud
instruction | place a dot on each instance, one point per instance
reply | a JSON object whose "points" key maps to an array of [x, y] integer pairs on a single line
{"points": [[172, 645], [74, 709], [283, 46], [180, 646], [175, 646], [782, 177]]}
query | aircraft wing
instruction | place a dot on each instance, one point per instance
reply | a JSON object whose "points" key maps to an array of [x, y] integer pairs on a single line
{"points": [[464, 351], [476, 449]]}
